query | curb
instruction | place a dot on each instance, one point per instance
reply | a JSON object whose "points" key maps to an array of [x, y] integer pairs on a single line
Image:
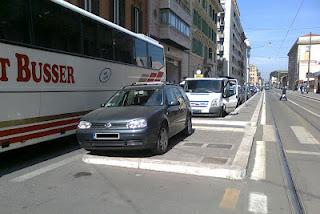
{"points": [[208, 170]]}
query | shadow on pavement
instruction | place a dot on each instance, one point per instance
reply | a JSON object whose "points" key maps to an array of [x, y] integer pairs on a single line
{"points": [[20, 158]]}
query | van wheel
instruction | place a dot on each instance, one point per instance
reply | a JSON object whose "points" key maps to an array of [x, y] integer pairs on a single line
{"points": [[222, 112], [162, 142]]}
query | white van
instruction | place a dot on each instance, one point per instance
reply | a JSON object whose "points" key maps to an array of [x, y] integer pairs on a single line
{"points": [[215, 96]]}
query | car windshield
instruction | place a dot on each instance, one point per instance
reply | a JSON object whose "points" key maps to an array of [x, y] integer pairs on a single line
{"points": [[203, 86], [136, 97]]}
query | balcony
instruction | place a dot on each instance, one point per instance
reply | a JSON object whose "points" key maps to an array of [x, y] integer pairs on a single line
{"points": [[173, 37], [179, 10]]}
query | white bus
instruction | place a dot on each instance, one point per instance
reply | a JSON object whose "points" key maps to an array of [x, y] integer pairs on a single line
{"points": [[58, 62]]}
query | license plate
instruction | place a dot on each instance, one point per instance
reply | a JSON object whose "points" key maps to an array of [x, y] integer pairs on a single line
{"points": [[196, 111]]}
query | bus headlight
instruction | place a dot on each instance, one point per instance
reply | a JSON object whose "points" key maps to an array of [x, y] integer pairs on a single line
{"points": [[84, 125], [137, 124]]}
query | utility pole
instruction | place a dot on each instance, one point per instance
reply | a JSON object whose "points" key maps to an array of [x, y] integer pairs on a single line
{"points": [[308, 74]]}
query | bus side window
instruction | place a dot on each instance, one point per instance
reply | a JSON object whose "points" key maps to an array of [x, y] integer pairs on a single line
{"points": [[14, 21], [56, 27]]}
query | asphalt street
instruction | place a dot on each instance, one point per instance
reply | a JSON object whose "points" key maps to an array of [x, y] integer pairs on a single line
{"points": [[52, 178]]}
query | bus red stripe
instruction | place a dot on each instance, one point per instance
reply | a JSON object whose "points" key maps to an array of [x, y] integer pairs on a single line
{"points": [[37, 135], [159, 76], [152, 76], [37, 127]]}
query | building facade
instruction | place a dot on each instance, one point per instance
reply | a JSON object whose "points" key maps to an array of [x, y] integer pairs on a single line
{"points": [[303, 56], [253, 75], [130, 14], [170, 23], [232, 49], [204, 34]]}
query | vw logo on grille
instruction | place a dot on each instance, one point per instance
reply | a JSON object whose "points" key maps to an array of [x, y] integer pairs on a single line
{"points": [[108, 125]]}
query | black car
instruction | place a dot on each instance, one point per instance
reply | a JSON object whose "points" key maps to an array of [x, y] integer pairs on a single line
{"points": [[140, 116]]}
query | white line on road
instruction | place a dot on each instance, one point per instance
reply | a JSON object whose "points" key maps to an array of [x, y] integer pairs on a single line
{"points": [[219, 122], [259, 168], [311, 112], [255, 116], [221, 129], [263, 112], [303, 135], [45, 169], [302, 152], [258, 203]]}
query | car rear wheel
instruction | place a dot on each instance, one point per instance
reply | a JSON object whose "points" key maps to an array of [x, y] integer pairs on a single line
{"points": [[162, 142], [188, 130]]}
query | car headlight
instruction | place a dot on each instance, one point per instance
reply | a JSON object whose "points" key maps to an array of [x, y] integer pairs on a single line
{"points": [[215, 103], [84, 125], [137, 124]]}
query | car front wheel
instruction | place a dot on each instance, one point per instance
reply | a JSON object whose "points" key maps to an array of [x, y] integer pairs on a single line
{"points": [[162, 142]]}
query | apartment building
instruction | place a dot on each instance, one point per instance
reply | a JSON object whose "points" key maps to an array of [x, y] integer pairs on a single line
{"points": [[130, 14], [253, 75], [232, 49], [303, 56], [204, 36], [170, 23]]}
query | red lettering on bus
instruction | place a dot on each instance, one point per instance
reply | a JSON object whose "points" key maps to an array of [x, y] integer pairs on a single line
{"points": [[23, 70], [55, 74], [38, 71], [34, 72], [70, 74], [4, 64], [46, 73], [62, 74]]}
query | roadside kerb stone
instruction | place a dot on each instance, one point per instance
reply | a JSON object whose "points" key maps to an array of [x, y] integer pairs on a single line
{"points": [[199, 169]]}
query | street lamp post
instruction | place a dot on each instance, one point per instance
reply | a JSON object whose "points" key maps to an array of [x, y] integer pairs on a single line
{"points": [[247, 42], [308, 74]]}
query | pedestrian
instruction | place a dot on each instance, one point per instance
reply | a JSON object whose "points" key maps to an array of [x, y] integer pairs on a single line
{"points": [[284, 93], [301, 89]]}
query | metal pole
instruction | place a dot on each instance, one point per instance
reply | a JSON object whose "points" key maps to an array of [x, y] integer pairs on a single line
{"points": [[308, 86]]}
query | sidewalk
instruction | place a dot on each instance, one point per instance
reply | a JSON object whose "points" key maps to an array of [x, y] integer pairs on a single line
{"points": [[217, 148], [310, 95]]}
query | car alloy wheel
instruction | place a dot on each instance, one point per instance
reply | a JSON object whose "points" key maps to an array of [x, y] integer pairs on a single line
{"points": [[162, 144]]}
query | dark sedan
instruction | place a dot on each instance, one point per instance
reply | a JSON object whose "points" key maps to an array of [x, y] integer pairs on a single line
{"points": [[140, 116]]}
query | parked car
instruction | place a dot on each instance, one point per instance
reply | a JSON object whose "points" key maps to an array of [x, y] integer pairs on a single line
{"points": [[140, 116]]}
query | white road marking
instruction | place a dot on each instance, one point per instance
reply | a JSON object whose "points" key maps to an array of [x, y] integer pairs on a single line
{"points": [[255, 116], [221, 129], [311, 112], [45, 169], [303, 135], [219, 122], [263, 112], [269, 133], [259, 168], [258, 203], [302, 152]]}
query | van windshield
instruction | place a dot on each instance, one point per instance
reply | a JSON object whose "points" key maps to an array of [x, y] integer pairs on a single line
{"points": [[203, 86]]}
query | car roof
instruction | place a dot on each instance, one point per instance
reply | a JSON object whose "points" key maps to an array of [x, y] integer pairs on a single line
{"points": [[142, 85]]}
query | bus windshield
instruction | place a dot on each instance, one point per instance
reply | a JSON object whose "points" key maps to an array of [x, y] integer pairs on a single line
{"points": [[203, 86]]}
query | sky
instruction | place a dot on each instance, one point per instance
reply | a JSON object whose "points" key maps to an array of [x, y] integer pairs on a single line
{"points": [[270, 27]]}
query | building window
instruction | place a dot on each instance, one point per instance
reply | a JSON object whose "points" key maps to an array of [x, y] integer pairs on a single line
{"points": [[117, 11], [136, 24], [210, 53], [197, 47], [169, 18], [92, 6]]}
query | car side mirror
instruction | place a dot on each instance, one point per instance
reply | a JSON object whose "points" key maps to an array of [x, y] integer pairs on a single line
{"points": [[103, 105], [177, 103]]}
